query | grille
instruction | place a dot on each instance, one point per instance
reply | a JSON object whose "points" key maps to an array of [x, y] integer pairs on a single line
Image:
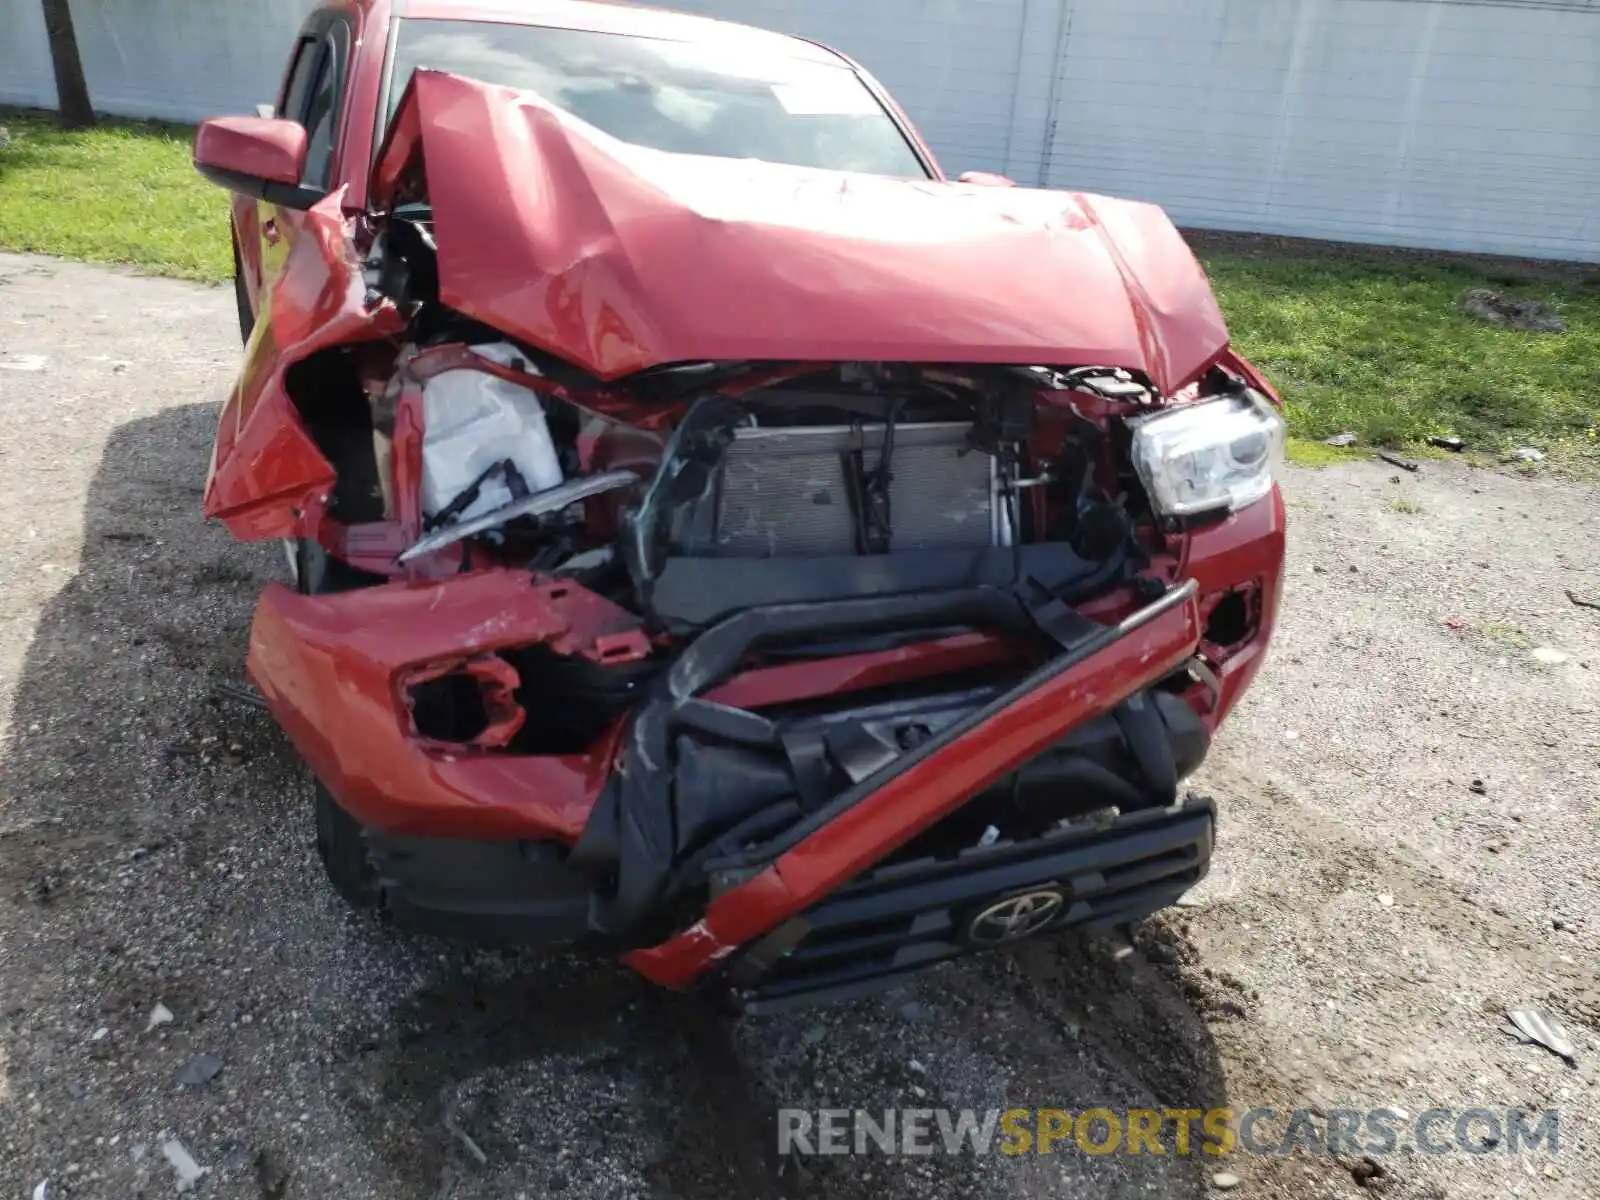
{"points": [[903, 917], [784, 491]]}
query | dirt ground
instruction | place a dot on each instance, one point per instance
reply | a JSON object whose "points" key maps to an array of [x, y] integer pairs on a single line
{"points": [[1409, 846]]}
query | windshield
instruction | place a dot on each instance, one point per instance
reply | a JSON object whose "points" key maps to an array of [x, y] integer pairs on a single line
{"points": [[676, 96]]}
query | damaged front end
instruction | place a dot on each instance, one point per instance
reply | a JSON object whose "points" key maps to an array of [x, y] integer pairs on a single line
{"points": [[796, 673]]}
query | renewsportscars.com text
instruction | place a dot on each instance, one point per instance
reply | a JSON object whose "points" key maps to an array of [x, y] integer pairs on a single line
{"points": [[1166, 1131]]}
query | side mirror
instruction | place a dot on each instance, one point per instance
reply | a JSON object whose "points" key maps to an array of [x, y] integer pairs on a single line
{"points": [[986, 179], [263, 157]]}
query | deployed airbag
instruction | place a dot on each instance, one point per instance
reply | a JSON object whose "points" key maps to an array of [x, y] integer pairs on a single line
{"points": [[473, 420]]}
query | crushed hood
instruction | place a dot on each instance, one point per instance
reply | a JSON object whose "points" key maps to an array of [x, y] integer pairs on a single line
{"points": [[618, 258]]}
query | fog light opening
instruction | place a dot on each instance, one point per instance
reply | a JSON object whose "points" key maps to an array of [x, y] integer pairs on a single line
{"points": [[449, 709], [1229, 621]]}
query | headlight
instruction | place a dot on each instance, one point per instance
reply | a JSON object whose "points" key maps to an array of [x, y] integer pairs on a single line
{"points": [[1212, 455]]}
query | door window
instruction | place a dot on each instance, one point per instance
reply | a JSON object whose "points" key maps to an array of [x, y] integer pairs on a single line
{"points": [[315, 98], [293, 100]]}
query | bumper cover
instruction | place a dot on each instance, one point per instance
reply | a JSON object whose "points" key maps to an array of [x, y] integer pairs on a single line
{"points": [[318, 660], [331, 670]]}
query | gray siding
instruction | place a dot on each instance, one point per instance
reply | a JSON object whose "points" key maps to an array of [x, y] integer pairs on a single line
{"points": [[1452, 125], [180, 59], [1457, 124]]}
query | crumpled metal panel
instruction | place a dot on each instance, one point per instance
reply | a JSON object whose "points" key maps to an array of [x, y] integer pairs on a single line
{"points": [[618, 258]]}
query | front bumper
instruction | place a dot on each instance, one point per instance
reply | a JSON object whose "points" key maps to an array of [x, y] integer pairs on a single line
{"points": [[318, 690], [331, 668]]}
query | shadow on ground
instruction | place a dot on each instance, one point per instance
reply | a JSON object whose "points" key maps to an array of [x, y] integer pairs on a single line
{"points": [[156, 847]]}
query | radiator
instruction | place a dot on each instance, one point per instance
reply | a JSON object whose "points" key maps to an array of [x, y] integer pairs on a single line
{"points": [[783, 492]]}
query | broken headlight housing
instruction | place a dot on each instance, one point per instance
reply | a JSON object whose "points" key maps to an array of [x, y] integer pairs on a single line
{"points": [[1208, 456]]}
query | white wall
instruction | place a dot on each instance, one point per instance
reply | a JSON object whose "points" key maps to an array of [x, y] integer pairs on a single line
{"points": [[181, 59], [1452, 125], [1457, 124]]}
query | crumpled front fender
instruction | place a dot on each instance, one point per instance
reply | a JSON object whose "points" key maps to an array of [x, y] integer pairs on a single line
{"points": [[266, 472]]}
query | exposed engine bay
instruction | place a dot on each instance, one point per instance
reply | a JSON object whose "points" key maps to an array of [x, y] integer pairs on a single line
{"points": [[744, 520]]}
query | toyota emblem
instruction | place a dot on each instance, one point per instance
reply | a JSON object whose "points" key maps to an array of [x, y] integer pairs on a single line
{"points": [[1016, 916]]}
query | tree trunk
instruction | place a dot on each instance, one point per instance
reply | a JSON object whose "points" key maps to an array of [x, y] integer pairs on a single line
{"points": [[72, 89]]}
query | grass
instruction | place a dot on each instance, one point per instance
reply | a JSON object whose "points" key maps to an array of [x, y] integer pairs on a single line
{"points": [[1369, 341], [124, 192], [1308, 452], [1375, 342]]}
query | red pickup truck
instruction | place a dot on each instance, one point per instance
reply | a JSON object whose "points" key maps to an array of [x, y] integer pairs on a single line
{"points": [[718, 537]]}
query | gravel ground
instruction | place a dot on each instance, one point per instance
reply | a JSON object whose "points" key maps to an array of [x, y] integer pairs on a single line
{"points": [[1410, 803]]}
